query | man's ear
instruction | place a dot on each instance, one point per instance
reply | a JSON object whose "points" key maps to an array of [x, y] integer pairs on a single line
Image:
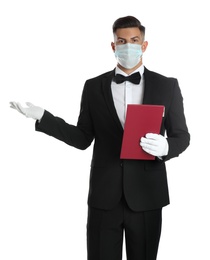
{"points": [[144, 46], [113, 46]]}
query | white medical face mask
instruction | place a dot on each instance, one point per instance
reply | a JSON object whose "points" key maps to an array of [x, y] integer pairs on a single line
{"points": [[128, 55]]}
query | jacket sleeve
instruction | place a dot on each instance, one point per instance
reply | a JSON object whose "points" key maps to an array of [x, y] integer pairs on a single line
{"points": [[175, 124], [79, 136]]}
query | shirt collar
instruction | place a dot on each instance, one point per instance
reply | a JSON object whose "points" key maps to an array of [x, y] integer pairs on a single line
{"points": [[140, 69]]}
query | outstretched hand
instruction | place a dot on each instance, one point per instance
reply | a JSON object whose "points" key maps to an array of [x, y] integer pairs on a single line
{"points": [[31, 111]]}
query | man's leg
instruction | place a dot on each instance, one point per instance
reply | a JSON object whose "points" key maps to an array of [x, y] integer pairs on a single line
{"points": [[105, 233], [142, 233]]}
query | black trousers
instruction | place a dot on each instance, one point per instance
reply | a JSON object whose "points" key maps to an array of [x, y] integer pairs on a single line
{"points": [[106, 229]]}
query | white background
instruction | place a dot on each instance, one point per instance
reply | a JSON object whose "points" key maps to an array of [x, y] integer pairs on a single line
{"points": [[48, 49]]}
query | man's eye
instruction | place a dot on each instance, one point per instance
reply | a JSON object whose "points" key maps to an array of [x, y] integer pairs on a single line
{"points": [[120, 41]]}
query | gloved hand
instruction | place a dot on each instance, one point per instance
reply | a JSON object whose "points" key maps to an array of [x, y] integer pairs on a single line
{"points": [[154, 144], [31, 111]]}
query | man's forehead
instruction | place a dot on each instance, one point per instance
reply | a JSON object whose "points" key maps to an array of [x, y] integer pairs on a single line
{"points": [[128, 32]]}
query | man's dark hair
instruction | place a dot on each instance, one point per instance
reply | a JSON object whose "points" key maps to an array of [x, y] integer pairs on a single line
{"points": [[128, 22]]}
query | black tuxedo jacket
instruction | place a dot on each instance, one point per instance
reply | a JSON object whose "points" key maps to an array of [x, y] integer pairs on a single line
{"points": [[142, 182]]}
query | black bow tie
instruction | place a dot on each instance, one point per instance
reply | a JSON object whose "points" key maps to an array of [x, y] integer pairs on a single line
{"points": [[134, 78]]}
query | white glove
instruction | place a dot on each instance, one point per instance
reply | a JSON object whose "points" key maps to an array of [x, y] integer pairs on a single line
{"points": [[31, 111], [154, 144]]}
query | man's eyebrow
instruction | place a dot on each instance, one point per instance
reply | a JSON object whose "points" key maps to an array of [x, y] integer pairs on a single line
{"points": [[135, 37], [121, 38]]}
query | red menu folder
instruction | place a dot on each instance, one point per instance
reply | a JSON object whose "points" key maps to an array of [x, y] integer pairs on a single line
{"points": [[140, 120]]}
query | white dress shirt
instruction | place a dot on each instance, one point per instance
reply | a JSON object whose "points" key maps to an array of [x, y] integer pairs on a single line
{"points": [[127, 93]]}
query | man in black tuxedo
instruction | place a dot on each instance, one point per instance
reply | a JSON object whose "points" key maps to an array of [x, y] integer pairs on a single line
{"points": [[125, 196]]}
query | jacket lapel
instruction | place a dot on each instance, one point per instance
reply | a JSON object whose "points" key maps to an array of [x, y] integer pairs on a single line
{"points": [[148, 93], [106, 87]]}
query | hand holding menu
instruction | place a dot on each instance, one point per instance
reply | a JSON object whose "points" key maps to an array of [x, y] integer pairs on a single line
{"points": [[140, 120]]}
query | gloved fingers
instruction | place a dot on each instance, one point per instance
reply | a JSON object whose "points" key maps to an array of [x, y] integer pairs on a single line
{"points": [[154, 144], [30, 111], [148, 146], [16, 106], [13, 105], [29, 104], [147, 141], [149, 149], [151, 143], [153, 136], [21, 109]]}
